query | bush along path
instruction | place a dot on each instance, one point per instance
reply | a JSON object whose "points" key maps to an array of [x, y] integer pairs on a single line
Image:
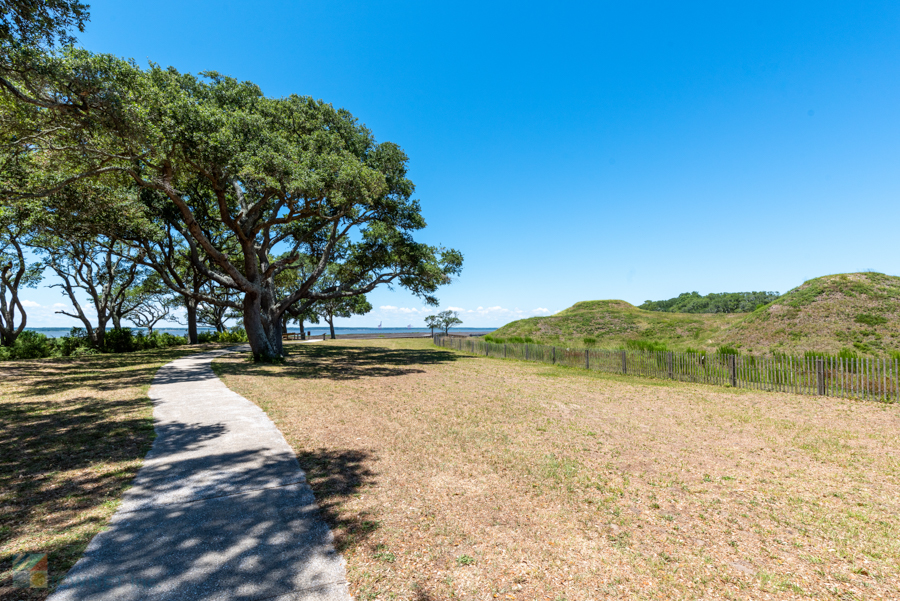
{"points": [[220, 509]]}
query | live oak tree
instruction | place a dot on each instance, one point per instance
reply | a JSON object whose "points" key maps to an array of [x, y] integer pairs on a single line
{"points": [[286, 177], [330, 308], [18, 270], [147, 303], [164, 246], [29, 29], [447, 319], [99, 268], [217, 313], [433, 321]]}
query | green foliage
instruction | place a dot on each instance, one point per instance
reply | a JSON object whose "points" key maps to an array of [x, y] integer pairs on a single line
{"points": [[862, 347], [124, 340], [119, 340], [75, 344], [511, 340], [645, 345], [28, 345], [727, 350], [589, 341], [205, 337], [444, 320], [34, 345], [847, 354], [695, 351], [235, 335], [870, 320], [156, 340], [724, 302], [42, 24]]}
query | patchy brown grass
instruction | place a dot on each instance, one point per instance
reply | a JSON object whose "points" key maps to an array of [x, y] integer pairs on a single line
{"points": [[447, 476], [73, 432]]}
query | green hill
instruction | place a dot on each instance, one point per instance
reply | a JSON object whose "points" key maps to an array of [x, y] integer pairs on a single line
{"points": [[617, 324], [857, 311]]}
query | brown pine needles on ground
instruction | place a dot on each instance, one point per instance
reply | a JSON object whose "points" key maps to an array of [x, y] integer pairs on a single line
{"points": [[446, 476]]}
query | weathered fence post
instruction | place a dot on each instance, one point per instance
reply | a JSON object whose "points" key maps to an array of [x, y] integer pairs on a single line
{"points": [[734, 371], [669, 364], [587, 360], [526, 351], [820, 376], [554, 356], [504, 351], [624, 362]]}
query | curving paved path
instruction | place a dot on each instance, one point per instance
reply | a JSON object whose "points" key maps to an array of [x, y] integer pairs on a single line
{"points": [[219, 511]]}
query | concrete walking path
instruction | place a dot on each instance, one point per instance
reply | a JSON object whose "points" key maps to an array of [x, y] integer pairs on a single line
{"points": [[219, 511]]}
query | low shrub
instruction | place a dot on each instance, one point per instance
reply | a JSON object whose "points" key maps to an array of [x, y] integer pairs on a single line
{"points": [[76, 344], [847, 354], [511, 340], [31, 345], [234, 335], [870, 320], [204, 337], [645, 345], [119, 340], [727, 350], [589, 341], [155, 340], [34, 345]]}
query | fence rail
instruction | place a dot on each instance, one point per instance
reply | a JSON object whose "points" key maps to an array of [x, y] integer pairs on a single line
{"points": [[862, 378]]}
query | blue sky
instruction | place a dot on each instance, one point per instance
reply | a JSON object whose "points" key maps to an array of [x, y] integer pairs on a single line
{"points": [[577, 151]]}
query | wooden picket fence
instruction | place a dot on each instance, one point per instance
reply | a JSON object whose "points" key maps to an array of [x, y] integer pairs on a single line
{"points": [[863, 378]]}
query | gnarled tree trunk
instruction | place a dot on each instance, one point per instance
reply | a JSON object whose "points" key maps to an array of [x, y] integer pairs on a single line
{"points": [[190, 308]]}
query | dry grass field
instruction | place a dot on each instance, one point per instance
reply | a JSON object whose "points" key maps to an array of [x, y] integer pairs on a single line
{"points": [[73, 432], [454, 477]]}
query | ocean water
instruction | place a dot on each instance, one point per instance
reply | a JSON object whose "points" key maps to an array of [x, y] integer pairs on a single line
{"points": [[316, 330]]}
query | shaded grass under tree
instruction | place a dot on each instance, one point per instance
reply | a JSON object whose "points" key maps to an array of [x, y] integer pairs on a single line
{"points": [[73, 433]]}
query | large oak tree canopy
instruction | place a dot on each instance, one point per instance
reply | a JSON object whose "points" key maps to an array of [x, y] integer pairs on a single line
{"points": [[292, 180]]}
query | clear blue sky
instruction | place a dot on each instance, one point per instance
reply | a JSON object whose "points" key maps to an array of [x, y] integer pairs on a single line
{"points": [[592, 150]]}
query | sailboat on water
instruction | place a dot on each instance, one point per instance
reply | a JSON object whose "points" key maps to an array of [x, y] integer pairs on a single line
{"points": [[379, 325]]}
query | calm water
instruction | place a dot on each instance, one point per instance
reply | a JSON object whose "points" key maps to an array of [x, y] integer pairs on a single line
{"points": [[316, 330]]}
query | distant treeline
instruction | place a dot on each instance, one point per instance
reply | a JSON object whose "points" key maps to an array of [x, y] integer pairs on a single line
{"points": [[717, 302]]}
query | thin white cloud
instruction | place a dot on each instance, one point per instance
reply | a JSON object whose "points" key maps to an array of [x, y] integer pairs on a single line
{"points": [[28, 303], [405, 310], [498, 311], [59, 306]]}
